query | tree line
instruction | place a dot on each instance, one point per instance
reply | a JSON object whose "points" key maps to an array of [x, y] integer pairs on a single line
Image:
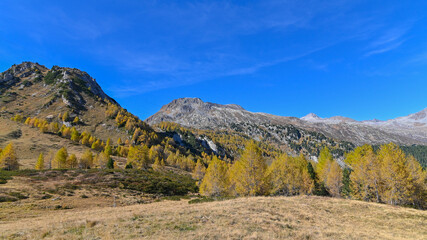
{"points": [[384, 176]]}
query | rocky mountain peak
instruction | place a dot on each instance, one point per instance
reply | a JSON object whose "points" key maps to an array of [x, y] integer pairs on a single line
{"points": [[311, 117], [75, 80], [70, 85], [191, 104], [23, 70], [24, 66], [195, 112]]}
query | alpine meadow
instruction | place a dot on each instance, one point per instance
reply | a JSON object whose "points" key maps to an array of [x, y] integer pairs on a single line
{"points": [[147, 120]]}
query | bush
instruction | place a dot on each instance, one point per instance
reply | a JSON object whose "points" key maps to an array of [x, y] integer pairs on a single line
{"points": [[18, 195], [7, 199], [166, 183], [51, 76]]}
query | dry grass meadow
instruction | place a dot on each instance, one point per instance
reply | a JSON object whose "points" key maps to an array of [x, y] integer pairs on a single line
{"points": [[300, 217]]}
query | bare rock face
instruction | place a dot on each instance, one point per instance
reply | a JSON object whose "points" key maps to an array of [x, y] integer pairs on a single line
{"points": [[193, 112]]}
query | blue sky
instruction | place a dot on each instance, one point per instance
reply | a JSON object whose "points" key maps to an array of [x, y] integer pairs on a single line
{"points": [[360, 59]]}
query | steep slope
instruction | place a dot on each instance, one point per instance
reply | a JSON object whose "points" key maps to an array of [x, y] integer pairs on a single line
{"points": [[193, 112], [33, 90]]}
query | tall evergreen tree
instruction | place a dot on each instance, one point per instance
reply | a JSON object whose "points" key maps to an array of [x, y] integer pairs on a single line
{"points": [[110, 163]]}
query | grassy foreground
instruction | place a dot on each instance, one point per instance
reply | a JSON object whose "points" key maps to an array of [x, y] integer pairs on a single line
{"points": [[300, 217]]}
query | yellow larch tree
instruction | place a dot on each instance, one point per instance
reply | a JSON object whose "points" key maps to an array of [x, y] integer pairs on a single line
{"points": [[289, 176], [72, 161], [158, 164], [215, 181], [333, 181], [60, 160], [325, 157], [138, 157], [76, 120], [366, 180], [8, 159], [86, 161], [40, 162], [397, 175], [247, 174]]}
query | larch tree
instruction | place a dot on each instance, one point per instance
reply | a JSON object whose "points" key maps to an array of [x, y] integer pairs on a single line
{"points": [[65, 117], [157, 165], [325, 157], [96, 144], [101, 160], [419, 183], [397, 175], [289, 176], [8, 159], [333, 181], [60, 160], [215, 181], [138, 157], [40, 162], [366, 178], [76, 120], [72, 161], [247, 174], [66, 132], [86, 161], [75, 136], [108, 150]]}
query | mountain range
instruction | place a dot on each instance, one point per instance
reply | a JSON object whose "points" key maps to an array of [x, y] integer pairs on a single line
{"points": [[193, 112], [33, 90]]}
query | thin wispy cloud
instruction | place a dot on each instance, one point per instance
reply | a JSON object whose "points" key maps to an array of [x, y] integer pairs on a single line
{"points": [[51, 22], [385, 48], [389, 40], [223, 25], [158, 45]]}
